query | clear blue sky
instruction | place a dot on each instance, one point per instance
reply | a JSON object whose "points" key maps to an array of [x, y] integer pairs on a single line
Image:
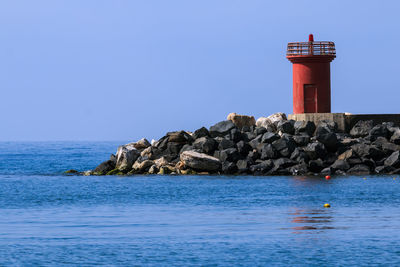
{"points": [[122, 70]]}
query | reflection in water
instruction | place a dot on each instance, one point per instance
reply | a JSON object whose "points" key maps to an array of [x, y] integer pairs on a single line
{"points": [[317, 219]]}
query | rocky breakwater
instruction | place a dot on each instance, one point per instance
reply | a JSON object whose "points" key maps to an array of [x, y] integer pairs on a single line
{"points": [[269, 146]]}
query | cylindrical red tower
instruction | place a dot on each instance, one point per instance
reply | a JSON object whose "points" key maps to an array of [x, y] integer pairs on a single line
{"points": [[311, 75]]}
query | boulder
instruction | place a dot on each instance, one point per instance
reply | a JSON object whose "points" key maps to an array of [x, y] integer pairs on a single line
{"points": [[229, 154], [241, 120], [235, 135], [327, 136], [384, 169], [260, 130], [142, 166], [307, 127], [104, 167], [261, 167], [248, 136], [286, 126], [200, 161], [269, 137], [299, 169], [333, 127], [267, 151], [173, 149], [256, 141], [316, 165], [347, 154], [253, 155], [359, 169], [283, 163], [126, 156], [243, 165], [142, 144], [361, 128], [205, 144], [229, 167], [395, 137], [271, 120], [202, 132], [243, 148], [393, 160], [280, 116], [315, 150], [299, 155], [301, 140], [180, 137], [340, 165], [284, 146], [263, 122], [226, 143], [367, 151], [153, 169], [378, 130], [221, 128]]}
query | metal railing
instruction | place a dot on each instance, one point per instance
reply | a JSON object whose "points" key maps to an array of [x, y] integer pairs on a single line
{"points": [[311, 48]]}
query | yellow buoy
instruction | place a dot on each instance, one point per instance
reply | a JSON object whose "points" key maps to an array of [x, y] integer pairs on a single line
{"points": [[327, 205]]}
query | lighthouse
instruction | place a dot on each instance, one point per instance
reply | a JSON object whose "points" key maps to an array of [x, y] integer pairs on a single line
{"points": [[311, 75]]}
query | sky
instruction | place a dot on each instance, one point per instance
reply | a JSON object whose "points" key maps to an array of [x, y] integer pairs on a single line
{"points": [[125, 69]]}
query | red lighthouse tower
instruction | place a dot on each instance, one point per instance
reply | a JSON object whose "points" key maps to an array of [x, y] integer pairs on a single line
{"points": [[311, 75]]}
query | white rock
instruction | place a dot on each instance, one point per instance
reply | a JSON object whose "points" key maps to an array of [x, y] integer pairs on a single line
{"points": [[126, 156], [200, 161], [280, 116], [266, 121], [263, 122]]}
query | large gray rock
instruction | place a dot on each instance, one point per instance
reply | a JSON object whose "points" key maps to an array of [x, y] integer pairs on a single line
{"points": [[229, 154], [379, 130], [200, 161], [104, 167], [284, 146], [340, 165], [205, 144], [180, 137], [393, 160], [367, 151], [142, 144], [221, 128], [202, 132], [361, 128], [261, 167], [304, 127], [286, 126], [327, 136], [315, 150], [359, 169], [395, 137], [126, 156], [269, 137], [267, 151]]}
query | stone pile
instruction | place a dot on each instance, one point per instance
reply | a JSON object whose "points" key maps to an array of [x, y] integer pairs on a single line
{"points": [[269, 146]]}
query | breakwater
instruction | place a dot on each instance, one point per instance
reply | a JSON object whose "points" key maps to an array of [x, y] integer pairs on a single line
{"points": [[271, 145]]}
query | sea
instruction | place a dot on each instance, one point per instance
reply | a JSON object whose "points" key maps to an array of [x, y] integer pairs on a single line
{"points": [[48, 218]]}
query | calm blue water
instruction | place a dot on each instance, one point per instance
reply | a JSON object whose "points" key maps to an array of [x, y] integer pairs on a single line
{"points": [[51, 219]]}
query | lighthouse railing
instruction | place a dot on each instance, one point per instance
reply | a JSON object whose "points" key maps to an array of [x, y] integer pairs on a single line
{"points": [[311, 48]]}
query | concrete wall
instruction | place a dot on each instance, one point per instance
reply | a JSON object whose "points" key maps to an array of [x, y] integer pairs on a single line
{"points": [[346, 121]]}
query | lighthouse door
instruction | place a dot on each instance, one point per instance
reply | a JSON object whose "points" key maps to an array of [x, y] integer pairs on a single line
{"points": [[310, 98]]}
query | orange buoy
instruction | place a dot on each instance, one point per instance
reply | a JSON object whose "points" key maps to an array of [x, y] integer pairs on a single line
{"points": [[327, 177]]}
